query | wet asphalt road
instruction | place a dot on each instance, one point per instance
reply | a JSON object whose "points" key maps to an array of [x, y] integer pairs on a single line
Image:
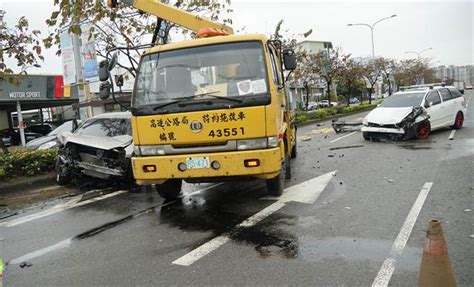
{"points": [[342, 239]]}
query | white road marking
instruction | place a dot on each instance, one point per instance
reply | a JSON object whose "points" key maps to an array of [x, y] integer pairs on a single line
{"points": [[32, 255], [204, 189], [305, 192], [340, 138], [58, 208], [451, 135], [388, 266]]}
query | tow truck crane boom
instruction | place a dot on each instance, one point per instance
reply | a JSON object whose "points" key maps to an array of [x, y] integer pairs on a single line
{"points": [[171, 14]]}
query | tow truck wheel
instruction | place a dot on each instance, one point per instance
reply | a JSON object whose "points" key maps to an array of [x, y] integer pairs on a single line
{"points": [[275, 185], [294, 151], [170, 189], [458, 121]]}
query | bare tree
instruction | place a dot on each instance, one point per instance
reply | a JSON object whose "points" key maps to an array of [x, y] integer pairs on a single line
{"points": [[126, 27], [21, 44], [387, 69], [413, 71], [371, 73], [327, 64]]}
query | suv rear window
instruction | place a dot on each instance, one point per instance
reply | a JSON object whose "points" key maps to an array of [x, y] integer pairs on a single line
{"points": [[455, 93], [445, 94]]}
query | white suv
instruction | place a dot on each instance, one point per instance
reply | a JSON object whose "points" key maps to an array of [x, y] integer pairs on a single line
{"points": [[415, 113]]}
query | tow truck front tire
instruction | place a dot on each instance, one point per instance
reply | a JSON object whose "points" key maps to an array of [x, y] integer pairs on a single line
{"points": [[294, 151], [170, 189], [276, 185]]}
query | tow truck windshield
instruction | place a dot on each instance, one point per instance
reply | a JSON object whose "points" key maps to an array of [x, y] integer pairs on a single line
{"points": [[187, 79]]}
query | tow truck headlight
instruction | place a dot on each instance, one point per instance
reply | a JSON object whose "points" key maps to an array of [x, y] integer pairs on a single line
{"points": [[272, 141], [259, 143], [148, 150]]}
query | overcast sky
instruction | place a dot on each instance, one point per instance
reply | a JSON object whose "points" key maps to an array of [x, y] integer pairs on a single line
{"points": [[444, 26]]}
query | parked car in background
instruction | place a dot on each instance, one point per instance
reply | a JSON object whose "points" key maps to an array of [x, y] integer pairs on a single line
{"points": [[354, 101], [12, 136], [468, 86], [415, 113], [101, 147], [51, 140], [312, 106], [43, 129]]}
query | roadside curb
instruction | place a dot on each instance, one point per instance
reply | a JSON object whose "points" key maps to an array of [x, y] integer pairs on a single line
{"points": [[24, 185], [310, 122]]}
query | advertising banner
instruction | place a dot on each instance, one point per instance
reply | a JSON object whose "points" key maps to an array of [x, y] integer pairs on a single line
{"points": [[67, 56], [90, 69]]}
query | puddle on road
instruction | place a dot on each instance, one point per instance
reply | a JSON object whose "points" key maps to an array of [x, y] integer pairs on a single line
{"points": [[268, 240], [355, 250]]}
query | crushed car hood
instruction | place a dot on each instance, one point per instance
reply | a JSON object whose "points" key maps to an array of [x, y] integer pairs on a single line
{"points": [[388, 116], [105, 143]]}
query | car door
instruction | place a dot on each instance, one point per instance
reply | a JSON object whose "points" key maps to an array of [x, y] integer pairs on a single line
{"points": [[434, 108], [448, 107]]}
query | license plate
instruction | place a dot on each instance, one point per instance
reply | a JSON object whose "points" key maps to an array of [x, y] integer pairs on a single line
{"points": [[197, 162]]}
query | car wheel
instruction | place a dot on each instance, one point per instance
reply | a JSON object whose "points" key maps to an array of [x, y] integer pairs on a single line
{"points": [[366, 136], [458, 122], [423, 130], [275, 185], [63, 175], [170, 189]]}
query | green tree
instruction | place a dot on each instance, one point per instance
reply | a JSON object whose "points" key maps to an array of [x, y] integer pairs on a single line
{"points": [[124, 26], [21, 44]]}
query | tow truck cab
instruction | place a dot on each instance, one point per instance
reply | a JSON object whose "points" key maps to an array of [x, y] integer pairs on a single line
{"points": [[213, 109]]}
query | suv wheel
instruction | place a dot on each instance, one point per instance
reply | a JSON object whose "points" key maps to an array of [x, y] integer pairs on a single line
{"points": [[63, 175], [458, 122]]}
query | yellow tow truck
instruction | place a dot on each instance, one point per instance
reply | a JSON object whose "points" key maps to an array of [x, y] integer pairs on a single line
{"points": [[214, 108]]}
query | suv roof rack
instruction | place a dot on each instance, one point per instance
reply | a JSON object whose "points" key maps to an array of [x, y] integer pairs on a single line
{"points": [[403, 88]]}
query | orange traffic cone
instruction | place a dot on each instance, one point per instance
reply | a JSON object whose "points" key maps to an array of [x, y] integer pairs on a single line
{"points": [[435, 267]]}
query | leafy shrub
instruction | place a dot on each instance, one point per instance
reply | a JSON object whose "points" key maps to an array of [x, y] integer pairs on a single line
{"points": [[27, 162]]}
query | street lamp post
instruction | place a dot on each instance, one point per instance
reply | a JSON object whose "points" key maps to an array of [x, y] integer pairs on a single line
{"points": [[372, 29], [419, 52]]}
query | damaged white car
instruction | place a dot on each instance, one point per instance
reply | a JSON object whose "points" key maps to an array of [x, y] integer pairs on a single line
{"points": [[415, 113], [101, 147]]}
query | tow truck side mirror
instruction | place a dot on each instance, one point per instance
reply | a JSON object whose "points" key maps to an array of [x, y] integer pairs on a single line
{"points": [[103, 71], [289, 59], [104, 90]]}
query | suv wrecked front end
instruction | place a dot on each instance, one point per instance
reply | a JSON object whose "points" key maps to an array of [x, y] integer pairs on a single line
{"points": [[103, 158], [394, 123]]}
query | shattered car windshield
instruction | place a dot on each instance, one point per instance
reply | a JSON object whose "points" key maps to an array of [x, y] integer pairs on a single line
{"points": [[224, 70], [106, 127], [402, 100]]}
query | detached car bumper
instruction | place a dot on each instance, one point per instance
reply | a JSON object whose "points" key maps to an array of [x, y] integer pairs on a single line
{"points": [[231, 164], [383, 130]]}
